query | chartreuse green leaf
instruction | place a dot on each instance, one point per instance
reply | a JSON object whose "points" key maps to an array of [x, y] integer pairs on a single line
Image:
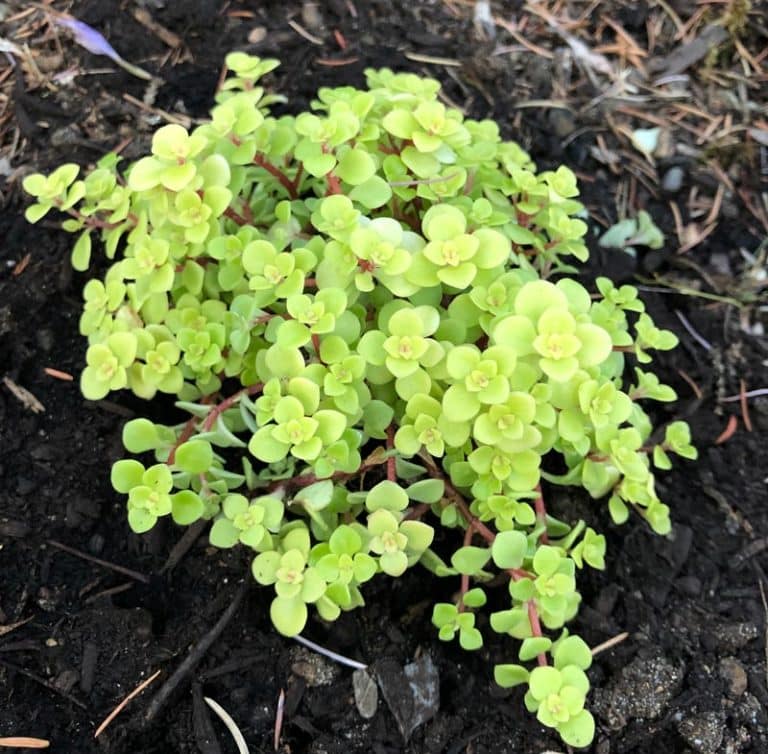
{"points": [[470, 560], [369, 316], [140, 435], [194, 456], [509, 549]]}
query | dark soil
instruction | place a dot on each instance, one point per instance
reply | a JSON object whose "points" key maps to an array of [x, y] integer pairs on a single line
{"points": [[691, 676]]}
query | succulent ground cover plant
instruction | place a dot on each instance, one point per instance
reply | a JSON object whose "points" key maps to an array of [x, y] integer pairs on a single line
{"points": [[369, 315]]}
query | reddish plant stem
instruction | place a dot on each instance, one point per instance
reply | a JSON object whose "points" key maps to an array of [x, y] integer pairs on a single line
{"points": [[474, 523], [232, 215], [541, 514], [189, 428], [417, 512], [455, 497], [95, 223], [220, 408], [334, 184], [310, 283], [316, 346], [464, 586], [391, 462], [304, 480], [533, 618], [275, 171], [184, 435], [297, 180]]}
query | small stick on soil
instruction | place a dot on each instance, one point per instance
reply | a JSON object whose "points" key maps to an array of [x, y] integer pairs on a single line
{"points": [[117, 710], [301, 31], [759, 393], [23, 742], [24, 396], [37, 679], [194, 657], [202, 725], [610, 643], [98, 561], [13, 626], [57, 374], [729, 431], [119, 589], [184, 545], [279, 718], [744, 405], [753, 548], [230, 724], [703, 342], [21, 266], [330, 654], [696, 389]]}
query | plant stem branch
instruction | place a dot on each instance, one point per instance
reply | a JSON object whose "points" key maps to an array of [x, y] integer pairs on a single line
{"points": [[455, 497], [304, 480], [391, 462], [220, 408], [195, 656], [275, 171], [464, 586], [541, 514], [533, 618]]}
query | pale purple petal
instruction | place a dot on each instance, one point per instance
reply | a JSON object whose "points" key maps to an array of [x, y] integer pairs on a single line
{"points": [[89, 38]]}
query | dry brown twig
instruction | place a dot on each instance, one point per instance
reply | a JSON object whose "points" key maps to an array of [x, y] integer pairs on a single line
{"points": [[24, 742], [117, 710]]}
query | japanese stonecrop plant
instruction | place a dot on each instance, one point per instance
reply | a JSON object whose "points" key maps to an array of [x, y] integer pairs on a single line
{"points": [[367, 313]]}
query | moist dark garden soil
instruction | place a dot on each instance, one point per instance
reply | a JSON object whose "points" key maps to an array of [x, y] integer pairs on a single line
{"points": [[76, 636]]}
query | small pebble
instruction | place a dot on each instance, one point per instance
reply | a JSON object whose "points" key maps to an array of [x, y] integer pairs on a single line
{"points": [[672, 181], [703, 733], [562, 122], [366, 693], [257, 34], [313, 668], [96, 544], [310, 16], [689, 585], [734, 675]]}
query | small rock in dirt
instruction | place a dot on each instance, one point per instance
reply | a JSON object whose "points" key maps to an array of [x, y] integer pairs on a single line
{"points": [[672, 181], [643, 690], [88, 666], [732, 672], [16, 529], [313, 668], [366, 693], [257, 34], [750, 711], [66, 680], [96, 544], [48, 599], [703, 732], [412, 693], [689, 585], [606, 600], [310, 16], [721, 263], [563, 123], [25, 485], [733, 636], [45, 339]]}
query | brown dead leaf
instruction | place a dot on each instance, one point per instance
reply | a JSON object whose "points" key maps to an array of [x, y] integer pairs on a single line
{"points": [[24, 396]]}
